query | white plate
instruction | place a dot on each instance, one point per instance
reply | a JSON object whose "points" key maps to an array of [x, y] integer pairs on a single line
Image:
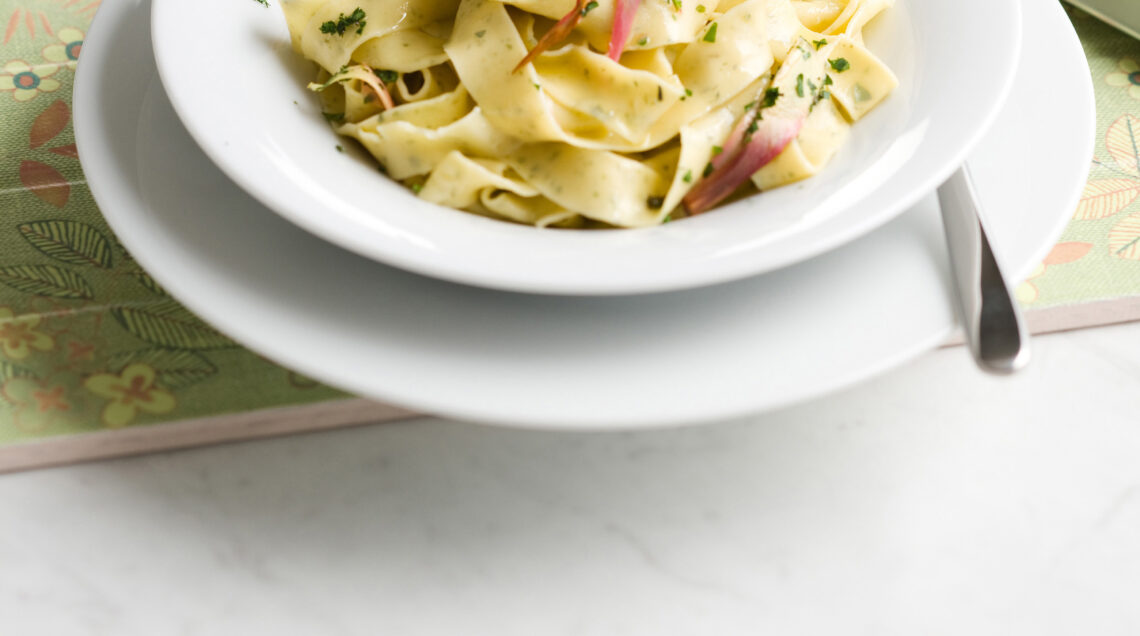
{"points": [[552, 362], [239, 89]]}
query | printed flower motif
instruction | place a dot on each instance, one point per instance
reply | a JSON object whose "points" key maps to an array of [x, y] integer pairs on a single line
{"points": [[66, 51], [18, 335], [128, 393], [1128, 76], [37, 404], [28, 81]]}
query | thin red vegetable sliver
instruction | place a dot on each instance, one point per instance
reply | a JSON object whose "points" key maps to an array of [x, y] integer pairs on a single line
{"points": [[734, 143], [624, 13], [556, 34], [770, 139]]}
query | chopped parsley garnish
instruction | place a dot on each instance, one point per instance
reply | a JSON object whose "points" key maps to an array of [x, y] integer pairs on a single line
{"points": [[708, 170], [643, 41], [819, 44], [655, 203], [688, 93], [333, 116], [480, 34], [343, 23], [700, 8], [771, 96], [717, 150], [668, 218], [710, 35], [590, 6], [749, 106], [753, 127], [676, 4], [800, 85], [339, 148], [840, 65], [388, 77], [827, 81], [688, 178], [264, 3], [416, 187]]}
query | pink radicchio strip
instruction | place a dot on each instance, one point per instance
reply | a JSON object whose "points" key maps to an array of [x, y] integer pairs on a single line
{"points": [[372, 81], [556, 34], [772, 136], [624, 13]]}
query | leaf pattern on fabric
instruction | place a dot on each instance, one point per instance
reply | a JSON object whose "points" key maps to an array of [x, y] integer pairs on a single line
{"points": [[48, 124], [168, 324], [1106, 197], [1124, 239], [47, 280], [69, 241], [45, 182], [1065, 253], [1123, 143]]}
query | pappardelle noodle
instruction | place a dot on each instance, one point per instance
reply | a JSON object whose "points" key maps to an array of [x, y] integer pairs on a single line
{"points": [[593, 113]]}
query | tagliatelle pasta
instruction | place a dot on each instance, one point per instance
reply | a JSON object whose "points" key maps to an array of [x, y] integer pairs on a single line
{"points": [[599, 113]]}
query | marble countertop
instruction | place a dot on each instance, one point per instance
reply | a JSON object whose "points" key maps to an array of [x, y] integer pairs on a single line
{"points": [[933, 500]]}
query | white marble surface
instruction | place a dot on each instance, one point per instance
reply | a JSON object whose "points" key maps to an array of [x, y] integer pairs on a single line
{"points": [[933, 500]]}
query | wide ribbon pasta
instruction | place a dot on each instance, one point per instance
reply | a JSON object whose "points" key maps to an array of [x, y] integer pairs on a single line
{"points": [[434, 90]]}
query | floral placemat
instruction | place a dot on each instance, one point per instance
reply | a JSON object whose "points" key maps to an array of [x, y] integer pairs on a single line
{"points": [[97, 360], [1098, 258]]}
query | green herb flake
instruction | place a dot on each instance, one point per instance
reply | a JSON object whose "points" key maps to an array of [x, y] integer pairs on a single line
{"points": [[819, 44], [688, 178], [343, 23], [717, 150], [771, 96], [643, 41], [416, 187], [264, 3], [800, 85], [753, 127], [480, 34], [333, 116], [676, 4], [339, 148], [708, 170], [710, 35], [655, 202], [388, 77], [590, 6], [668, 219], [840, 65], [537, 87], [827, 81], [700, 8], [749, 106]]}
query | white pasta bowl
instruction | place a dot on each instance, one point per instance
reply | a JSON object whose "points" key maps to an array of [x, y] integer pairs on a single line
{"points": [[240, 91]]}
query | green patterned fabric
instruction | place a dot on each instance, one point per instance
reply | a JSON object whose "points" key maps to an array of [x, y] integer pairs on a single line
{"points": [[88, 341], [1098, 257]]}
